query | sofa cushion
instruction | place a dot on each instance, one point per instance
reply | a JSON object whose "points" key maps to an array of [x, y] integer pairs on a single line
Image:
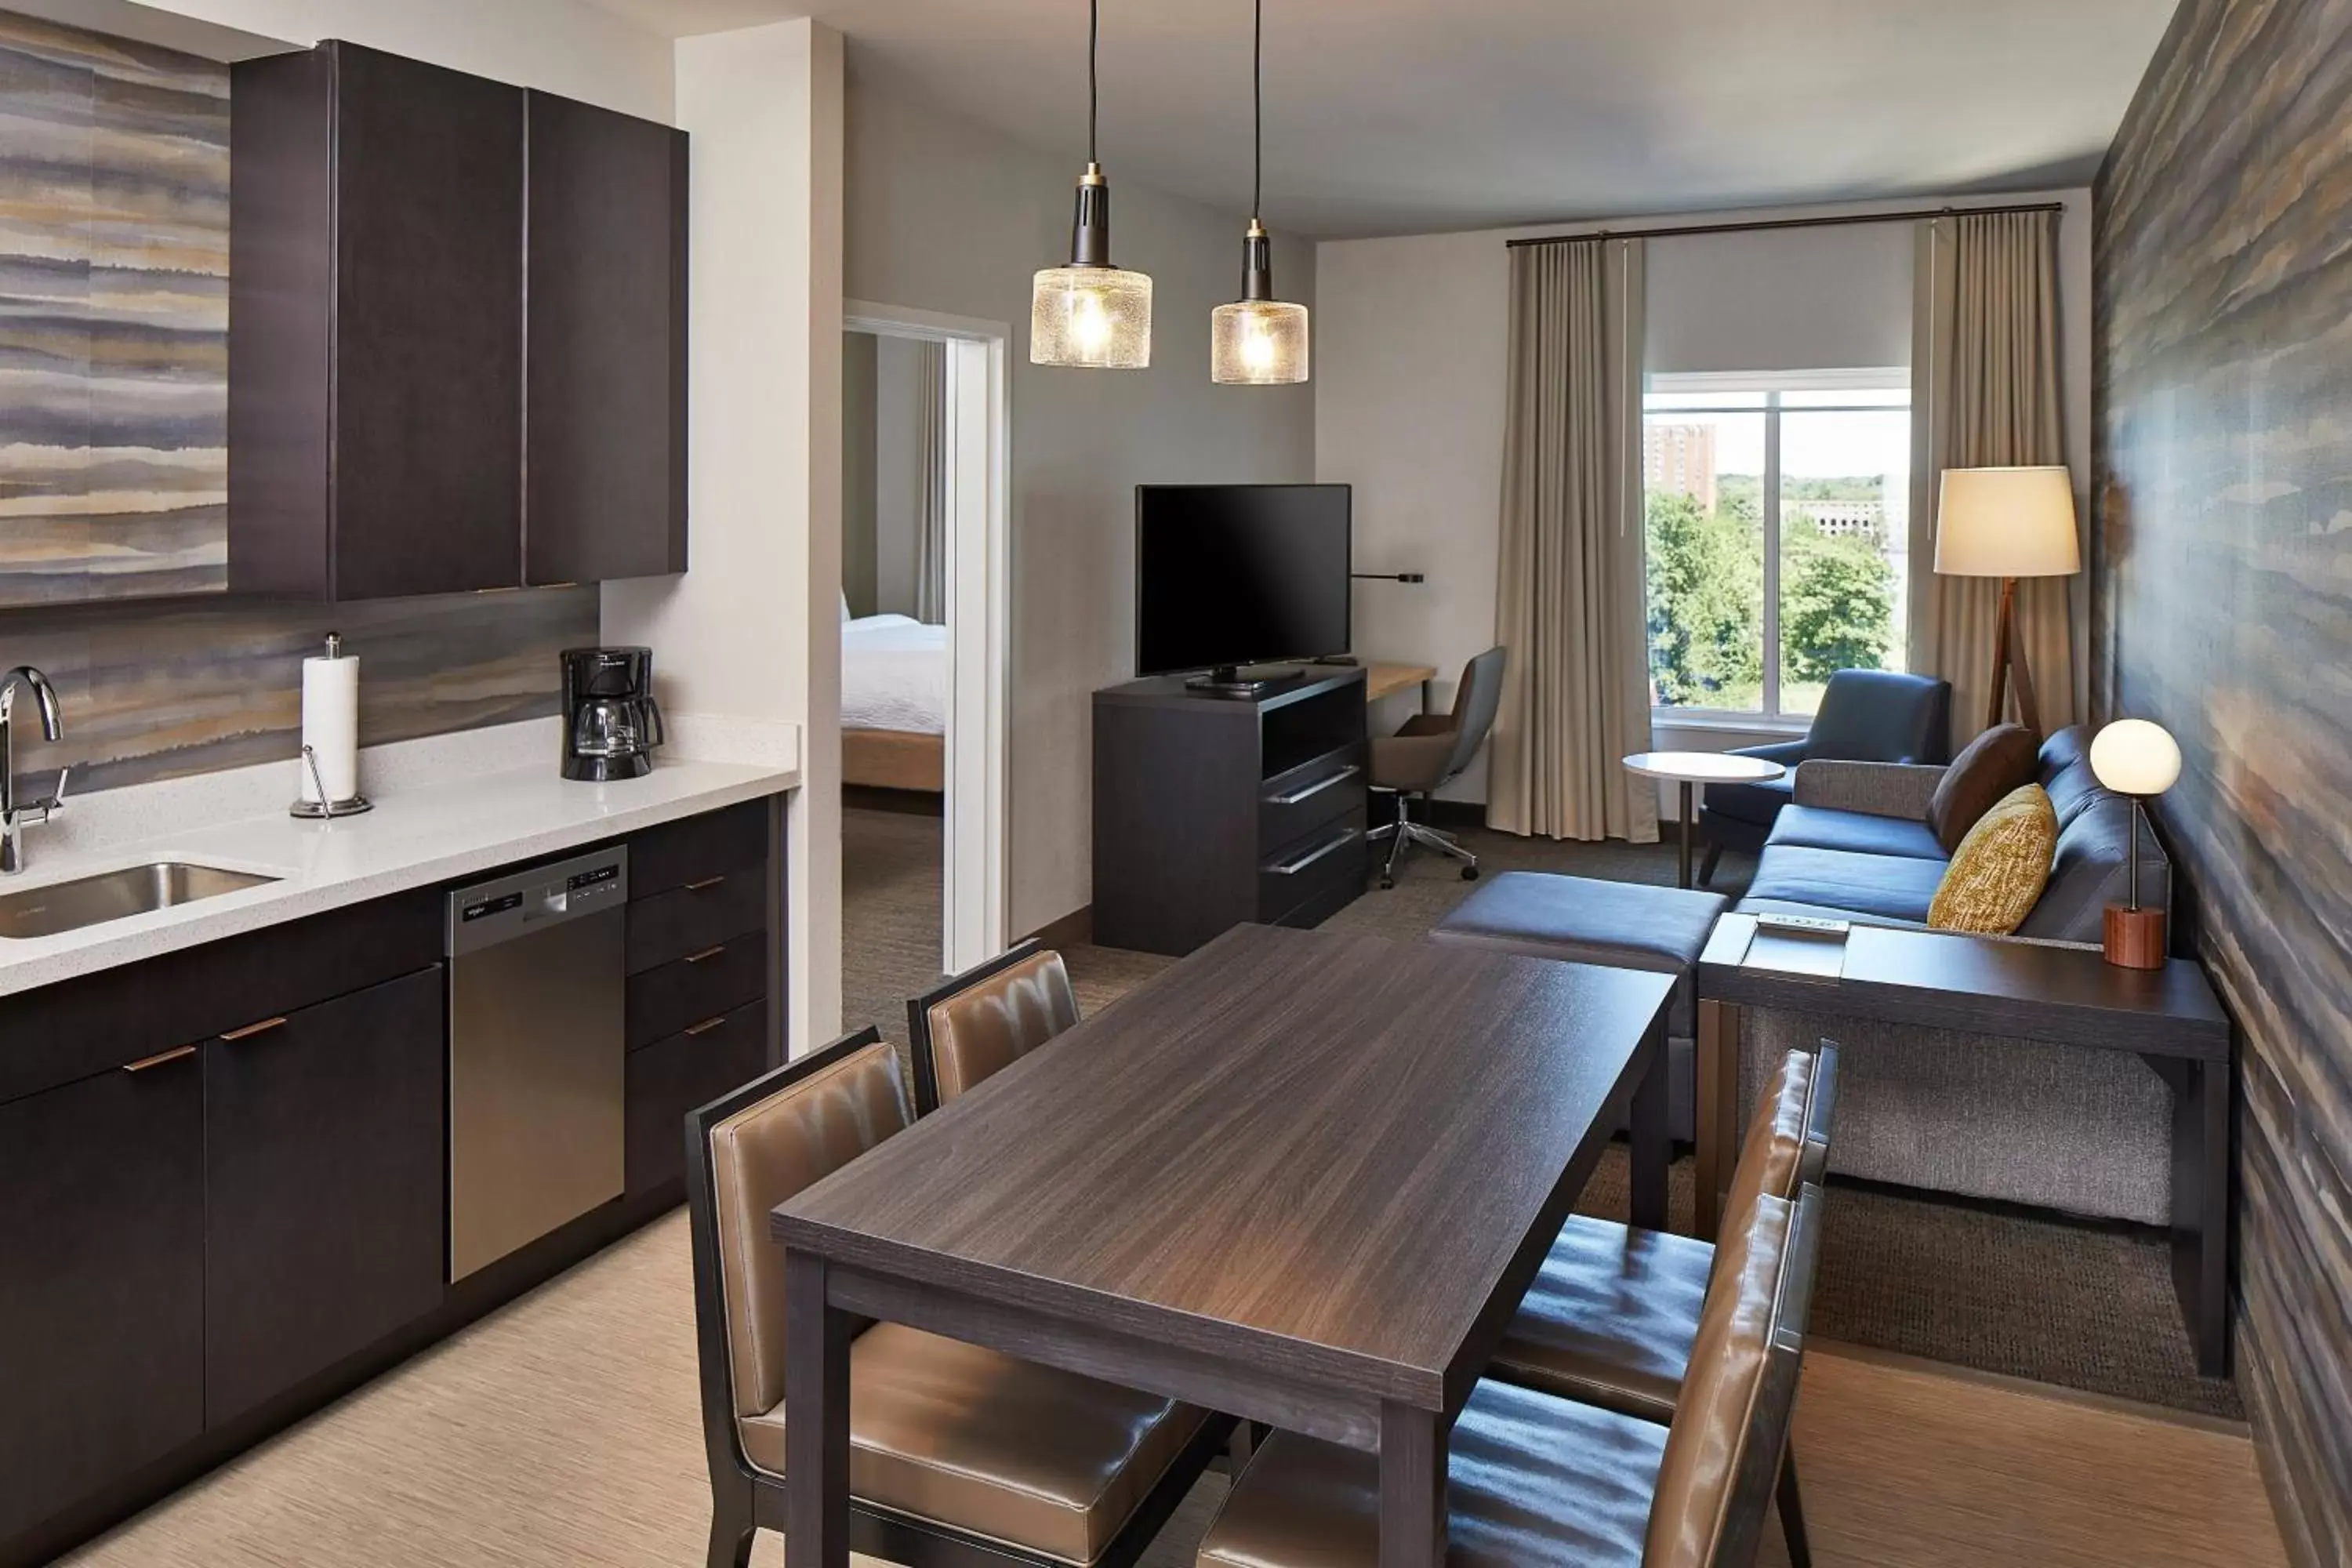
{"points": [[1821, 828], [1630, 925], [2090, 872], [1756, 803], [1986, 771], [2064, 773], [1995, 879], [1892, 886]]}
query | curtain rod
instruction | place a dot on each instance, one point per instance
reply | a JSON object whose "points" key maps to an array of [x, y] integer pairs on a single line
{"points": [[1759, 225]]}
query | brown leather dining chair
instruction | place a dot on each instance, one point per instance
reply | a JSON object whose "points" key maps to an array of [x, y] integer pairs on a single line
{"points": [[1537, 1481], [1614, 1313], [1428, 749], [983, 1020], [960, 1456]]}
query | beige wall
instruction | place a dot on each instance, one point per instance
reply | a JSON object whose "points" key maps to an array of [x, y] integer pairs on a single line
{"points": [[1412, 346], [946, 215]]}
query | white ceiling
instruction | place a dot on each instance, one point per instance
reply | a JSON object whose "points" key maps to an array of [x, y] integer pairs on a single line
{"points": [[1400, 116]]}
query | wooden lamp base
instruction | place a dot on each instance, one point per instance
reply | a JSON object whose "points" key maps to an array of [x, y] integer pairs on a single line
{"points": [[2135, 938]]}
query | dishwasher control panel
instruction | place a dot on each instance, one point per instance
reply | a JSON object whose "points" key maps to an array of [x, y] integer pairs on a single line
{"points": [[495, 911]]}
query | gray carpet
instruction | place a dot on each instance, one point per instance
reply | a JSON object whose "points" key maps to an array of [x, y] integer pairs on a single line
{"points": [[2083, 1306]]}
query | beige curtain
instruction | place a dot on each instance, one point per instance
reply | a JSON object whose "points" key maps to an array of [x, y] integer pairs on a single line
{"points": [[931, 497], [1569, 603], [1986, 393]]}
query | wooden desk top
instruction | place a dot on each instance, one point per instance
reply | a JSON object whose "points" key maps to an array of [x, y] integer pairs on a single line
{"points": [[2069, 996], [1323, 1157], [1386, 680]]}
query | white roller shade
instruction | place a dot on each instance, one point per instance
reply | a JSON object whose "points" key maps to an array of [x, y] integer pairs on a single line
{"points": [[1782, 299]]}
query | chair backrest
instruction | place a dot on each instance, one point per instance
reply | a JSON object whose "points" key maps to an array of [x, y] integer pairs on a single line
{"points": [[1731, 1426], [746, 1153], [1774, 1148], [1881, 716], [1475, 702], [983, 1020], [1821, 1110]]}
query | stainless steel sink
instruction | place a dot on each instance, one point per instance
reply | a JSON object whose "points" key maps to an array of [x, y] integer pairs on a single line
{"points": [[116, 895]]}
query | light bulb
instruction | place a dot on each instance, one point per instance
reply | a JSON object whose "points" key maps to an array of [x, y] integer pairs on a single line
{"points": [[1089, 320], [1257, 350]]}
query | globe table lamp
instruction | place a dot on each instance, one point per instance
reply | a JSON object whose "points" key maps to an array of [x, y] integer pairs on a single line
{"points": [[2136, 758]]}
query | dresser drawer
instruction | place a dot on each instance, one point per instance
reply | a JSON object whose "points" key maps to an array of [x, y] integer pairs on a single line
{"points": [[672, 1076], [703, 913], [1292, 806], [1332, 855], [702, 985], [693, 848]]}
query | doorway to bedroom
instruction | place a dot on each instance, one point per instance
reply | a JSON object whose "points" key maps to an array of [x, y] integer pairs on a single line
{"points": [[924, 630]]}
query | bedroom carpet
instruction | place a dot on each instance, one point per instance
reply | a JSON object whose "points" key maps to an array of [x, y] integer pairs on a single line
{"points": [[2082, 1305]]}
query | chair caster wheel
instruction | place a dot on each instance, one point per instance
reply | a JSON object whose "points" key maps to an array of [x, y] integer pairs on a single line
{"points": [[1387, 882], [1469, 873]]}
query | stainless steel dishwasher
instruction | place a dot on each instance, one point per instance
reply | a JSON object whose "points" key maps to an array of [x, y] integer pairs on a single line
{"points": [[537, 970]]}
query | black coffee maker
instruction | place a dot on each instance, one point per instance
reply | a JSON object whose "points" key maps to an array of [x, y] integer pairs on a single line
{"points": [[611, 721]]}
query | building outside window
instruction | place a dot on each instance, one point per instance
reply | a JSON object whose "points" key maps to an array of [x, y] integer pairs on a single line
{"points": [[1778, 535]]}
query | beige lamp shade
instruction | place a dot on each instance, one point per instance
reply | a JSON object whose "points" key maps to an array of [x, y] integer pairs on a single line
{"points": [[2007, 522], [2133, 756]]}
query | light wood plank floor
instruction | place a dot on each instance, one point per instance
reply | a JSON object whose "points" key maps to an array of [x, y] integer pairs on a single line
{"points": [[563, 1433]]}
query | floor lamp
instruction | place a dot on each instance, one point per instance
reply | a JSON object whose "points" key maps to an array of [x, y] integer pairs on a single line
{"points": [[2008, 523]]}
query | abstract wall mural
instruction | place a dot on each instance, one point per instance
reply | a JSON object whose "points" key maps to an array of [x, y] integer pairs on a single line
{"points": [[114, 231], [114, 176], [2223, 609]]}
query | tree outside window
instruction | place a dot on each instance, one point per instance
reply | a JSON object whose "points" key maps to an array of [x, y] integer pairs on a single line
{"points": [[1778, 548]]}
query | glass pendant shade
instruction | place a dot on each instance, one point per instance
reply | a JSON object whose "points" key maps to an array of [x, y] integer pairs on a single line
{"points": [[1096, 318], [1257, 342]]}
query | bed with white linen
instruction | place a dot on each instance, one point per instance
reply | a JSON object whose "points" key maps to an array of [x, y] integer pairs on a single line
{"points": [[894, 702]]}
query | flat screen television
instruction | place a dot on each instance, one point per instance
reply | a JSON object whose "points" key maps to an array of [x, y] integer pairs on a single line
{"points": [[1227, 576]]}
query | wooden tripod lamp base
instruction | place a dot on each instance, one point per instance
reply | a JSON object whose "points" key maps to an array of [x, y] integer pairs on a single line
{"points": [[2009, 664]]}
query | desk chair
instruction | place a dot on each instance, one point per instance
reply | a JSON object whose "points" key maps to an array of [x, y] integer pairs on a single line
{"points": [[1431, 748]]}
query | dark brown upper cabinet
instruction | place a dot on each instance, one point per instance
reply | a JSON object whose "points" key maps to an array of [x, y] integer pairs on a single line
{"points": [[375, 328], [605, 328]]}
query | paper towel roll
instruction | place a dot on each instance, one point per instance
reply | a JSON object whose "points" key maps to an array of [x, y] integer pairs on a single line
{"points": [[331, 724]]}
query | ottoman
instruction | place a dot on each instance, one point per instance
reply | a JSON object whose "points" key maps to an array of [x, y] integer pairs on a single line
{"points": [[1626, 925]]}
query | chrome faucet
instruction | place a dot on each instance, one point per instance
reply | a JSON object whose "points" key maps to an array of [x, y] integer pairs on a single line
{"points": [[13, 817]]}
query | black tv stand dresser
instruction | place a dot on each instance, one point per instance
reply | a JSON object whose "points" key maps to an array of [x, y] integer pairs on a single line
{"points": [[1212, 811]]}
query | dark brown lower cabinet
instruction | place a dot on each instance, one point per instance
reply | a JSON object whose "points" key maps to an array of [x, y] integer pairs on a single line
{"points": [[101, 1282], [671, 1077], [323, 1176]]}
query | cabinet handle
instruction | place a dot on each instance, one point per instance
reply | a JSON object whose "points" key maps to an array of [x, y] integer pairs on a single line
{"points": [[705, 885], [250, 1030], [1317, 787], [705, 953], [1292, 869], [707, 1025], [159, 1058]]}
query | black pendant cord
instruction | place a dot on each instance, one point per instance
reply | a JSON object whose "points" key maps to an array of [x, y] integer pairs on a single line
{"points": [[1094, 89], [1257, 111]]}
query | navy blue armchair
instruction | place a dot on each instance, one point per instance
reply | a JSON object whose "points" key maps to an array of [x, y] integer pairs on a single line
{"points": [[1867, 716]]}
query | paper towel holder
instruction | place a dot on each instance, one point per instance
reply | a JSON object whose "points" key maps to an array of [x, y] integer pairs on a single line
{"points": [[322, 808]]}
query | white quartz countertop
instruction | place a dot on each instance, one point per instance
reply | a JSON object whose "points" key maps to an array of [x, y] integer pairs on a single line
{"points": [[418, 836]]}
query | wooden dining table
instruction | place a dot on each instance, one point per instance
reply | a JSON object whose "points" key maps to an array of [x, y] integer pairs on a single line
{"points": [[1300, 1177]]}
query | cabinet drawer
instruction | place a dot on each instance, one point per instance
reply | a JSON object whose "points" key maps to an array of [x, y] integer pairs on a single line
{"points": [[671, 1077], [701, 914], [693, 848], [1294, 805], [702, 985], [1331, 855]]}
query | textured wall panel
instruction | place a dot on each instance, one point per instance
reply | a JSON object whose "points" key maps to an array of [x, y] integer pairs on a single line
{"points": [[2223, 609]]}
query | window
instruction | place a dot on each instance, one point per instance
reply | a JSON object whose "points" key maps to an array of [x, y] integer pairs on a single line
{"points": [[1779, 537]]}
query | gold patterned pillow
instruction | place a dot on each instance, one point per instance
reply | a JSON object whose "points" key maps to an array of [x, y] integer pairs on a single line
{"points": [[1999, 871]]}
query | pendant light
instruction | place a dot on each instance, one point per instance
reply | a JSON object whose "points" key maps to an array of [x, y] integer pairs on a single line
{"points": [[1257, 340], [1090, 313]]}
